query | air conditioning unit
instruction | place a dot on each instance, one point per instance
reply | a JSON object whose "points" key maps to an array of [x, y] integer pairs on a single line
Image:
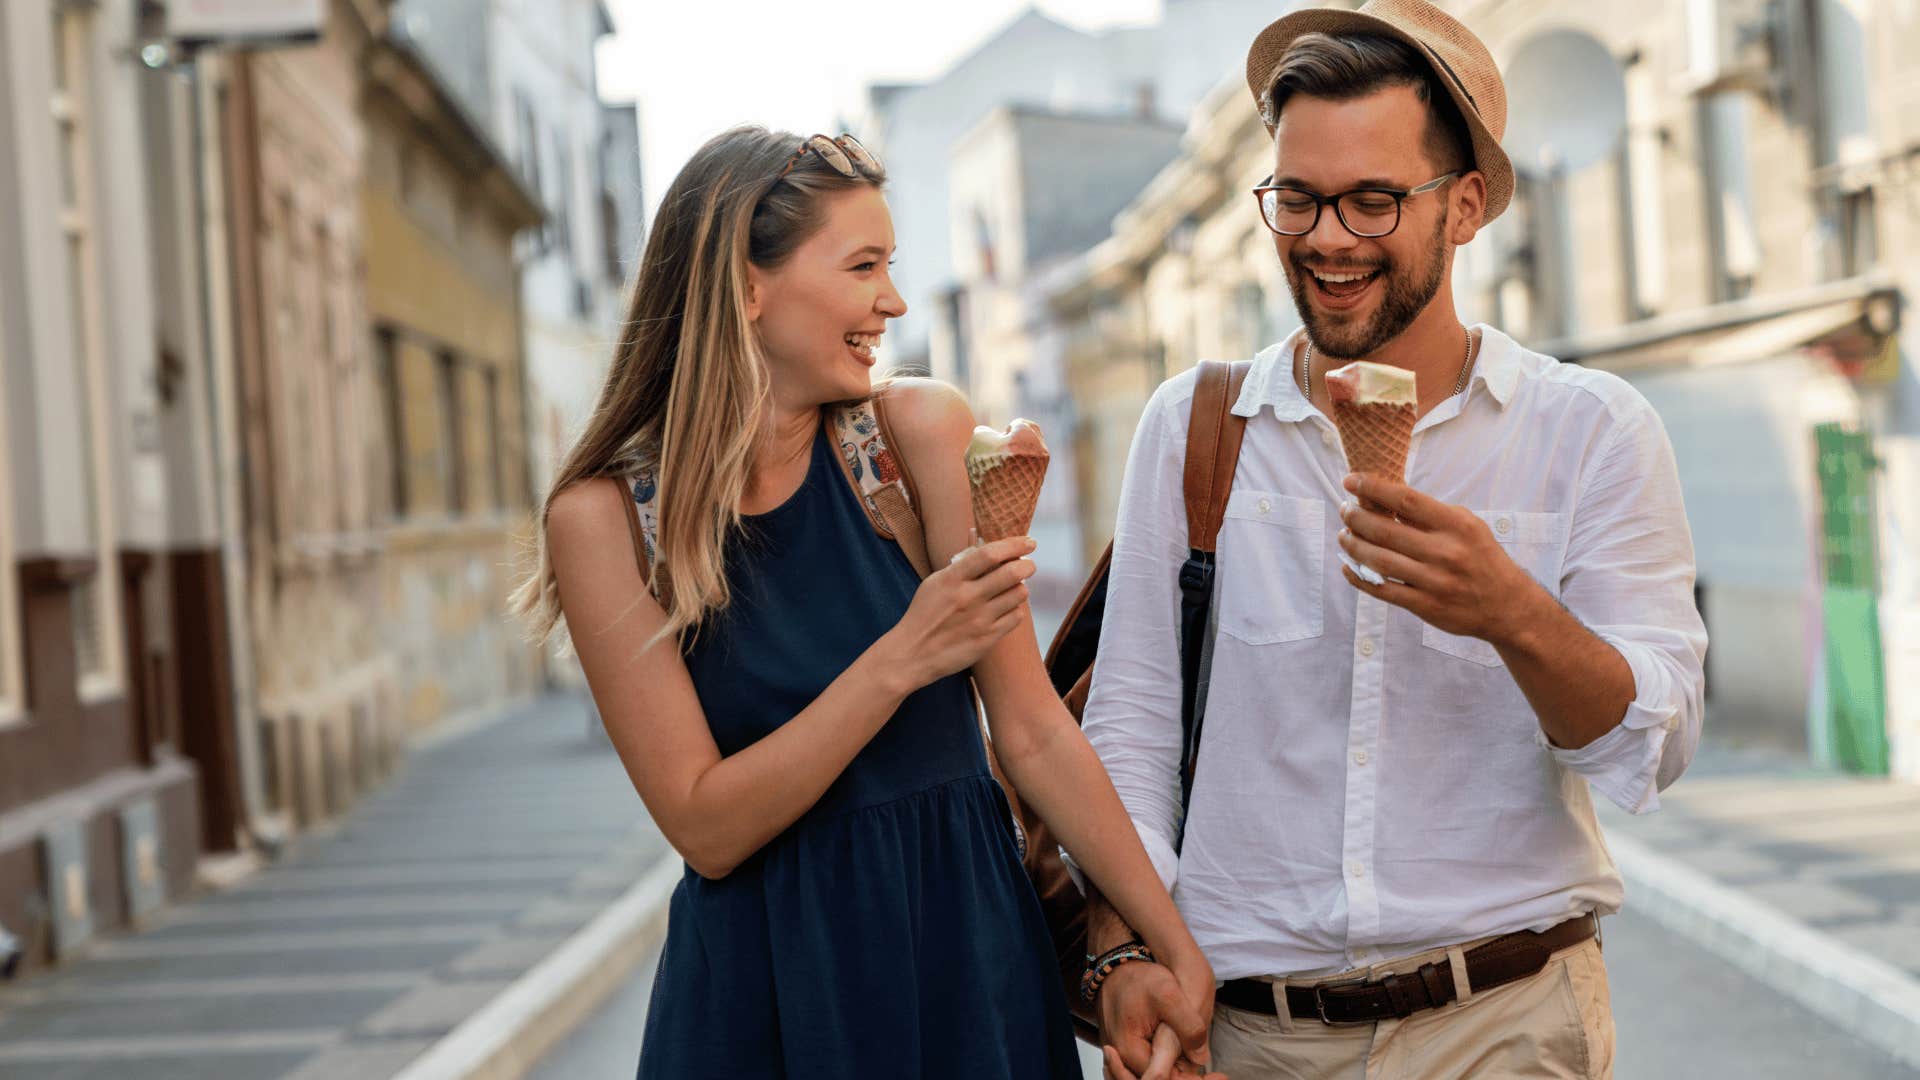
{"points": [[1729, 45]]}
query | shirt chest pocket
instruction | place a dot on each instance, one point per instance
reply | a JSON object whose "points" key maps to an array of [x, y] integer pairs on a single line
{"points": [[1538, 543], [1273, 550]]}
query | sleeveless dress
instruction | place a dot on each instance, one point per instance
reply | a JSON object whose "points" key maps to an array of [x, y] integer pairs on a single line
{"points": [[890, 931]]}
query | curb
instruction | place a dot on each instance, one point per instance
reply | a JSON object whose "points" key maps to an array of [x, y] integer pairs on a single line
{"points": [[1860, 994], [511, 1033]]}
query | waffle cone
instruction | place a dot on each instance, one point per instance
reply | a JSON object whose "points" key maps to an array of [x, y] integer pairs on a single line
{"points": [[1376, 437], [1006, 488]]}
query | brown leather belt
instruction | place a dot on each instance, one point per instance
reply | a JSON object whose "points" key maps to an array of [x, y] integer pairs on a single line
{"points": [[1505, 959]]}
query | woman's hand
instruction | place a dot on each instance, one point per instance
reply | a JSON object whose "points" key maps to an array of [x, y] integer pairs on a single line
{"points": [[1195, 975], [961, 610]]}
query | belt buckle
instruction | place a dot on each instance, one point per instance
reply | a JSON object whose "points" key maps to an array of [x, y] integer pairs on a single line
{"points": [[1320, 1002]]}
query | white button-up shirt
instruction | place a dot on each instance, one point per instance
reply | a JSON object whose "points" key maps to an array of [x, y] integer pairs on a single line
{"points": [[1369, 786]]}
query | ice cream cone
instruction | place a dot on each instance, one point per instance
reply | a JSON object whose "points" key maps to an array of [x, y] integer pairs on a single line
{"points": [[1374, 408], [1005, 471]]}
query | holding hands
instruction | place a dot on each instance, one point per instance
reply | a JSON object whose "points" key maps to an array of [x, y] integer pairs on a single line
{"points": [[1154, 1020]]}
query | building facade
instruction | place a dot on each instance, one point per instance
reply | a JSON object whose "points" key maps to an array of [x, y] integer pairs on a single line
{"points": [[526, 73], [441, 207], [117, 739], [323, 691], [1742, 253]]}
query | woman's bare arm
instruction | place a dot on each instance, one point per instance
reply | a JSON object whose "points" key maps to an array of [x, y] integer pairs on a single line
{"points": [[717, 811], [1038, 743]]}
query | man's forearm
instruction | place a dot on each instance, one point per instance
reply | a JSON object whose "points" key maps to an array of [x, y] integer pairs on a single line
{"points": [[1579, 686], [1105, 928]]}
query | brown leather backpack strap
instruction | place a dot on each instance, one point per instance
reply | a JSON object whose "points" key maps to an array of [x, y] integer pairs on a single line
{"points": [[1213, 449], [898, 504], [633, 527]]}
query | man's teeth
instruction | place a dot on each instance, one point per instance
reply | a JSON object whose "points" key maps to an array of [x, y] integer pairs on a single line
{"points": [[1342, 279], [863, 343]]}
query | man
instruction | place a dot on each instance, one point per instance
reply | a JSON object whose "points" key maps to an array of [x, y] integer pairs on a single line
{"points": [[1390, 857]]}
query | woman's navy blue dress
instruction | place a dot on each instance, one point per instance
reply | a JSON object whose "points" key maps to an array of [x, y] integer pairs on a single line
{"points": [[890, 932]]}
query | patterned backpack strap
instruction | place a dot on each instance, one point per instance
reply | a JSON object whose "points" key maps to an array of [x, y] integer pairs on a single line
{"points": [[643, 514], [879, 476]]}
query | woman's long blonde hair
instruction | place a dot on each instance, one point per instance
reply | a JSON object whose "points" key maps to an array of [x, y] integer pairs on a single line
{"points": [[687, 387]]}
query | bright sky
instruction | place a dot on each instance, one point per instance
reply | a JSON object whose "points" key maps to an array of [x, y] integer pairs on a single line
{"points": [[698, 67]]}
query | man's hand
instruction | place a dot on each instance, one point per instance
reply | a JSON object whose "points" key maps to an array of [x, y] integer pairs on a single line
{"points": [[1441, 561], [1147, 1022], [1444, 565]]}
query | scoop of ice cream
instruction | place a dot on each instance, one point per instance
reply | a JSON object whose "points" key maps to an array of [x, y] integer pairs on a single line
{"points": [[1366, 383], [1006, 469], [1021, 437]]}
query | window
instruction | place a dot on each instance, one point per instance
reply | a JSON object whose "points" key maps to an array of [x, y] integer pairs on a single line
{"points": [[95, 601], [452, 441], [1732, 233], [528, 131], [387, 357], [563, 198], [495, 464], [610, 252], [1642, 194], [1858, 248]]}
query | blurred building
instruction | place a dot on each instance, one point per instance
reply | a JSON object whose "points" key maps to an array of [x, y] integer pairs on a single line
{"points": [[1155, 72], [1188, 273], [526, 73], [118, 757], [1031, 189], [265, 456], [441, 207], [1742, 246], [1743, 251], [323, 692]]}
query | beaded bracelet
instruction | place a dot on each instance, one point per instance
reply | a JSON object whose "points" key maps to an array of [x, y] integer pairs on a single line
{"points": [[1099, 967]]}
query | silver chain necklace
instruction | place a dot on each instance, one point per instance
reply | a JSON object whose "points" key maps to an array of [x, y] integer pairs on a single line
{"points": [[1306, 367]]}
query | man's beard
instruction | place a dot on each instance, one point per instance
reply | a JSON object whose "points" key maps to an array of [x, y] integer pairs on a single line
{"points": [[1406, 297]]}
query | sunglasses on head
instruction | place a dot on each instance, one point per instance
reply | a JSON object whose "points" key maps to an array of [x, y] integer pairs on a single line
{"points": [[843, 155]]}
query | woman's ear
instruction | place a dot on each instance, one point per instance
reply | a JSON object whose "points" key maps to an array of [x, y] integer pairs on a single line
{"points": [[756, 287]]}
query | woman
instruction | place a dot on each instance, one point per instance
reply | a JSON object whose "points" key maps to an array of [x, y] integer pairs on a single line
{"points": [[855, 904]]}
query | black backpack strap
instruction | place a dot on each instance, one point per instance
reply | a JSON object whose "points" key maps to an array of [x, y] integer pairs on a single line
{"points": [[1213, 452]]}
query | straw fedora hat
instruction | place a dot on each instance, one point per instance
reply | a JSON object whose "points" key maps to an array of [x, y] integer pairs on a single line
{"points": [[1459, 59]]}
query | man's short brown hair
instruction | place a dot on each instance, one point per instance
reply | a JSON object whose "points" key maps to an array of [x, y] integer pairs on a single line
{"points": [[1347, 66]]}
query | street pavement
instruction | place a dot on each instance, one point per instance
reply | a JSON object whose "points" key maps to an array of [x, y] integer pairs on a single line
{"points": [[370, 942], [1679, 1012], [365, 944]]}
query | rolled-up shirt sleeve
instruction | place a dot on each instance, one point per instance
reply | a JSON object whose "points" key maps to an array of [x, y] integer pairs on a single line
{"points": [[1629, 576], [1132, 716]]}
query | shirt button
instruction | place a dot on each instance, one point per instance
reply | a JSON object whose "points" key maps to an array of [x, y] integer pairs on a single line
{"points": [[1359, 757], [1503, 525], [1326, 439], [1265, 505], [1356, 870], [1366, 646]]}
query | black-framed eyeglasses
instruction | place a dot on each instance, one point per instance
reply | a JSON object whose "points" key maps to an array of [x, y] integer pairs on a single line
{"points": [[1366, 212], [843, 155]]}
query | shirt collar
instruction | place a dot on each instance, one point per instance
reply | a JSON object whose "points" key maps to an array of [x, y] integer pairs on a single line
{"points": [[1273, 378]]}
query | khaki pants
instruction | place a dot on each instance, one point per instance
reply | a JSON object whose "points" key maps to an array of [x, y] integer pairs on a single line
{"points": [[1557, 1023]]}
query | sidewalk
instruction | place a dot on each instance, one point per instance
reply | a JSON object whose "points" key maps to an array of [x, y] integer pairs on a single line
{"points": [[467, 875], [1804, 879]]}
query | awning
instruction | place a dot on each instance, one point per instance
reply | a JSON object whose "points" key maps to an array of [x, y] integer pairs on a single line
{"points": [[1850, 323]]}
